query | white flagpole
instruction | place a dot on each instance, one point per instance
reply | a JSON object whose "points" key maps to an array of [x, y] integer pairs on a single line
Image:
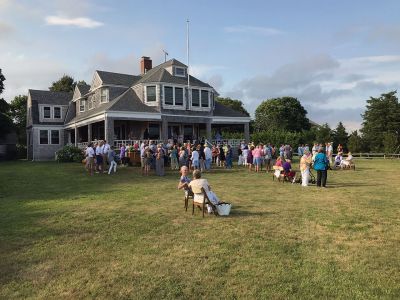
{"points": [[187, 49]]}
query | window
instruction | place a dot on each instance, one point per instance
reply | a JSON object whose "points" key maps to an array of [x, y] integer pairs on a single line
{"points": [[195, 97], [57, 112], [154, 131], [55, 137], [46, 112], [204, 98], [90, 103], [168, 95], [44, 137], [180, 72], [104, 95], [178, 96], [151, 93], [82, 105]]}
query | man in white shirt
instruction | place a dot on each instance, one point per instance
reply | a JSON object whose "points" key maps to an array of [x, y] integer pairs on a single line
{"points": [[90, 158], [208, 155], [99, 157], [197, 184]]}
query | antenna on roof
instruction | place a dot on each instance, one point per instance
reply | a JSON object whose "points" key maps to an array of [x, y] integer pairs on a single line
{"points": [[165, 55]]}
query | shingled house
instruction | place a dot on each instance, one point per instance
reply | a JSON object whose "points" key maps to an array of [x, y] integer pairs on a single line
{"points": [[121, 108]]}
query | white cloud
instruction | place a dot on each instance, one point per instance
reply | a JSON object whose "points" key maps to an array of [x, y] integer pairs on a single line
{"points": [[81, 22], [332, 90], [266, 31]]}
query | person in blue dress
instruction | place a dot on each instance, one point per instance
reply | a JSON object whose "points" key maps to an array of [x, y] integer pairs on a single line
{"points": [[321, 165]]}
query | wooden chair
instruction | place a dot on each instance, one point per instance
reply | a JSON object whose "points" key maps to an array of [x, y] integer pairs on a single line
{"points": [[202, 205], [188, 195]]}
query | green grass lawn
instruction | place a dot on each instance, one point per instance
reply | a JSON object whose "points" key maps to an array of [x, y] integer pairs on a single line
{"points": [[64, 234]]}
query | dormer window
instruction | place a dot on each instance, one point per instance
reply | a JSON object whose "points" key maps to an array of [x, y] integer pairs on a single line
{"points": [[181, 72], [57, 112], [104, 95], [47, 112], [82, 104], [151, 93]]}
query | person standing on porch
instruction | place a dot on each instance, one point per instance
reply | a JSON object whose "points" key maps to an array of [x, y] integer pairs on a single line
{"points": [[160, 161]]}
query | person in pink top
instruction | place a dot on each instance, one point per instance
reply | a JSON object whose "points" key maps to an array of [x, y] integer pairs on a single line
{"points": [[257, 154]]}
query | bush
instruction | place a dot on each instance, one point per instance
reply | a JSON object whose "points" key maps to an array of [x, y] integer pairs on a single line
{"points": [[277, 137], [70, 153], [21, 151]]}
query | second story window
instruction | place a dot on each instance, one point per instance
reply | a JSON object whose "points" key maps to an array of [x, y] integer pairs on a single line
{"points": [[169, 95], [204, 98], [195, 97], [47, 112], [178, 96], [57, 112], [82, 105], [151, 93], [104, 95]]}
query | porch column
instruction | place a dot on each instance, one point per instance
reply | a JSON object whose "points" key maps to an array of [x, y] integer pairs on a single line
{"points": [[76, 135], [208, 131], [247, 132], [164, 129], [109, 130], [89, 133]]}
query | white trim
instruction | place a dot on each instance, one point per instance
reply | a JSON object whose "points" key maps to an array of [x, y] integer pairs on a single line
{"points": [[61, 112], [107, 94], [47, 126], [84, 105], [174, 106], [216, 119], [145, 94], [98, 117], [133, 115]]}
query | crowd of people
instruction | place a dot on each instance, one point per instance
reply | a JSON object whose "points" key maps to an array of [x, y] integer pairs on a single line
{"points": [[202, 156]]}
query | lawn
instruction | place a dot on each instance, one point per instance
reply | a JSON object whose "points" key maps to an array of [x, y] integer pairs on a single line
{"points": [[64, 234]]}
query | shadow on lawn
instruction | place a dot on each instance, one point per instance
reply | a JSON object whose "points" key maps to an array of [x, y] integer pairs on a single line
{"points": [[351, 184]]}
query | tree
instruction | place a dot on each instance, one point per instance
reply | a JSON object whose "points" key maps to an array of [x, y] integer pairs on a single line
{"points": [[64, 84], [2, 79], [18, 115], [382, 115], [323, 134], [390, 142], [355, 143], [285, 113], [234, 104], [340, 135], [6, 125], [4, 107]]}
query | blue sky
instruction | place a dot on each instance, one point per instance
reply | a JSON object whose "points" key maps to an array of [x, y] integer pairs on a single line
{"points": [[331, 55]]}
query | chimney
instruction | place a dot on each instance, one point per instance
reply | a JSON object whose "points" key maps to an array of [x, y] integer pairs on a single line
{"points": [[145, 64]]}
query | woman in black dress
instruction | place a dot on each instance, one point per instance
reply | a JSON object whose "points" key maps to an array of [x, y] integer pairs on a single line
{"points": [[221, 155]]}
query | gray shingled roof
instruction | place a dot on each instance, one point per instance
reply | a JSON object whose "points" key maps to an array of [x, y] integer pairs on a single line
{"points": [[159, 74], [47, 97], [225, 111], [128, 101], [117, 78], [71, 112], [83, 88]]}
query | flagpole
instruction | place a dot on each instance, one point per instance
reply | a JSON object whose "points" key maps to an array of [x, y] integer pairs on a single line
{"points": [[187, 49]]}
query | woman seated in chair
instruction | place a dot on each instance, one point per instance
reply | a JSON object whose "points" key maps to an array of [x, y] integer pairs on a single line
{"points": [[184, 180], [278, 167], [347, 162], [197, 184], [338, 160], [288, 172]]}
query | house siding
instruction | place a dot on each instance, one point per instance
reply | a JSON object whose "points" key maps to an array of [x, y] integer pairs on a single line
{"points": [[45, 152]]}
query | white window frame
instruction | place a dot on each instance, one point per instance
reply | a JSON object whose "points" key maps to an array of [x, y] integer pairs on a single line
{"points": [[173, 105], [191, 98], [180, 68], [200, 108], [82, 102], [44, 117], [106, 91], [208, 99], [49, 137], [54, 114], [155, 87]]}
